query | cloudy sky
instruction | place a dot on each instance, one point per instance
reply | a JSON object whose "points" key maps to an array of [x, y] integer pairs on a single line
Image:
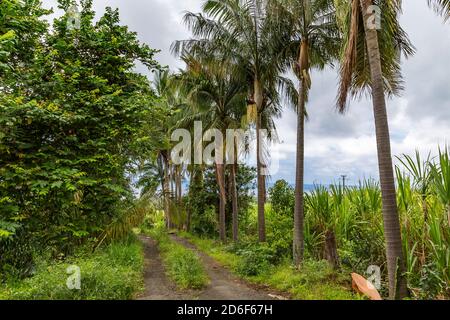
{"points": [[335, 144]]}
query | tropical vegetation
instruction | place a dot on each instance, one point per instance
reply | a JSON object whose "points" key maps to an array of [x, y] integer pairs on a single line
{"points": [[89, 152]]}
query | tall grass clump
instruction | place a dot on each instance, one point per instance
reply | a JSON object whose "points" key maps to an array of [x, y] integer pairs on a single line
{"points": [[182, 265], [113, 272]]}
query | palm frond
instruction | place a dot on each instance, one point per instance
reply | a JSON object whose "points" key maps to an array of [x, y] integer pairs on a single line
{"points": [[441, 7]]}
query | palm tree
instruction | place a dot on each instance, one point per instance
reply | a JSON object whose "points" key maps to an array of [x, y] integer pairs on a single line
{"points": [[242, 31], [314, 43], [218, 99], [371, 61], [442, 7], [170, 99]]}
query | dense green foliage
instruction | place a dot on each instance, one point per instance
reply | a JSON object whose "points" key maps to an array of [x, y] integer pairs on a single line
{"points": [[280, 218], [203, 199], [113, 273], [72, 112]]}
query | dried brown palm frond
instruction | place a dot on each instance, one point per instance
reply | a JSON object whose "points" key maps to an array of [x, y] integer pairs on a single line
{"points": [[349, 57], [355, 77]]}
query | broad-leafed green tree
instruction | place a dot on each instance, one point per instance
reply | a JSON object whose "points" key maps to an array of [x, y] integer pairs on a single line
{"points": [[70, 110]]}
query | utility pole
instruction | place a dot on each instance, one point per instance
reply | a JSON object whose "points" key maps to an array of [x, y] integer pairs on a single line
{"points": [[343, 181]]}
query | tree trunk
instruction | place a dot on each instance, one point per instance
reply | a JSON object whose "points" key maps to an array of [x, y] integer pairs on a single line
{"points": [[234, 200], [166, 192], [180, 210], [179, 184], [261, 184], [258, 95], [264, 186], [298, 242], [178, 197], [331, 254], [220, 174], [172, 181], [394, 251], [192, 182]]}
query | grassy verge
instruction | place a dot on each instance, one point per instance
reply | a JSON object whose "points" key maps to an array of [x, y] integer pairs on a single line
{"points": [[114, 272], [182, 265], [316, 281]]}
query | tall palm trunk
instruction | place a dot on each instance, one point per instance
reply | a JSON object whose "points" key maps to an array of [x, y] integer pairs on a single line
{"points": [[298, 243], [259, 164], [172, 195], [179, 185], [261, 184], [172, 192], [196, 185], [166, 191], [179, 191], [234, 197], [394, 251], [220, 174], [192, 182]]}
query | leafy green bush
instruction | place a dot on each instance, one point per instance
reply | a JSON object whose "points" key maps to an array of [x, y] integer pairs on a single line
{"points": [[183, 266], [282, 198], [113, 273], [205, 223], [255, 259], [279, 228]]}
